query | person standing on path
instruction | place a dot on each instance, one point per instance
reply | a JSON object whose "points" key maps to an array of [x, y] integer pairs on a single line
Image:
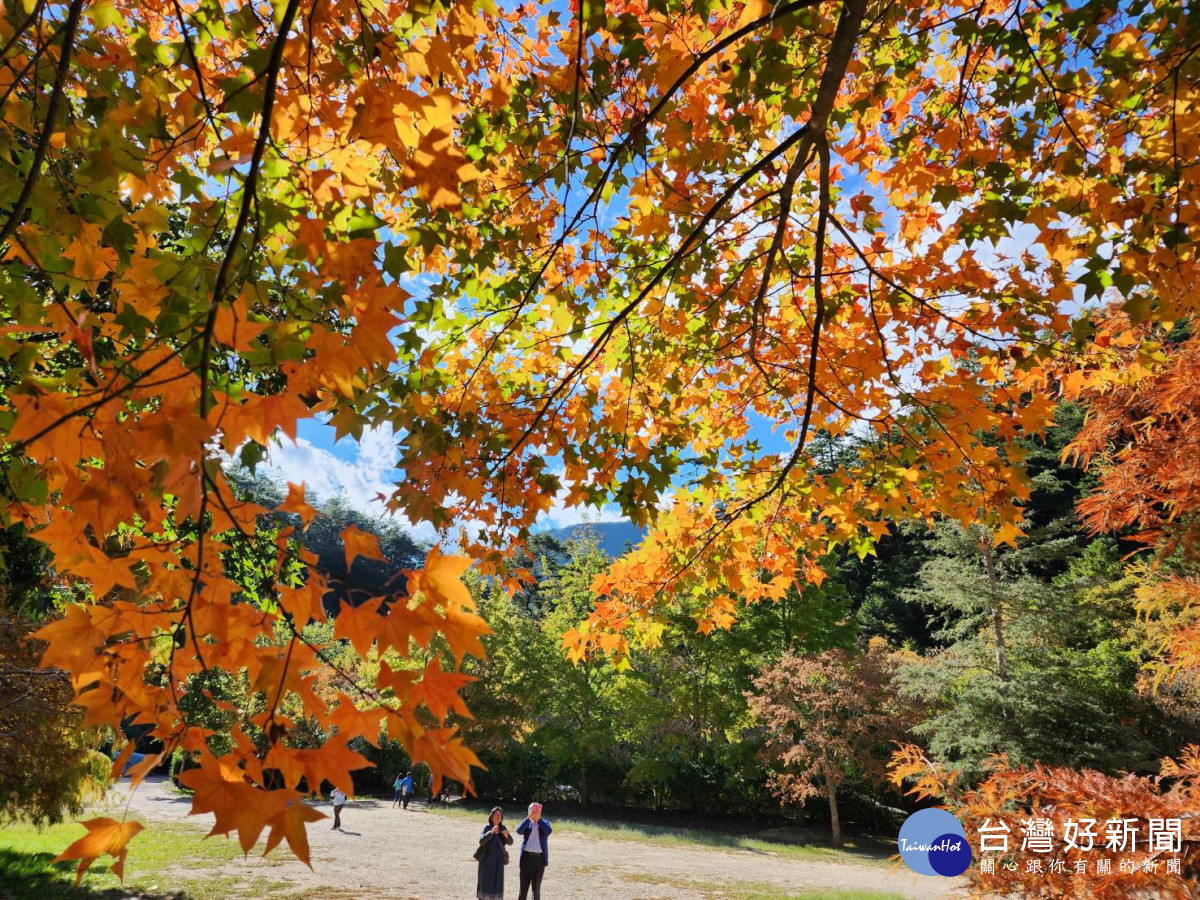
{"points": [[535, 851], [398, 784], [338, 796], [406, 789], [492, 856]]}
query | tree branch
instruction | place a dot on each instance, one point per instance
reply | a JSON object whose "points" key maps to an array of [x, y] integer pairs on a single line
{"points": [[249, 192], [43, 144]]}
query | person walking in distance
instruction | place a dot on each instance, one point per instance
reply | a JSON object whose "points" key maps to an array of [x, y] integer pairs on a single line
{"points": [[406, 789], [338, 796], [398, 785], [535, 851]]}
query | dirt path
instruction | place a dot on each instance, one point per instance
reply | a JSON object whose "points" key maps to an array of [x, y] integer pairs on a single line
{"points": [[398, 855]]}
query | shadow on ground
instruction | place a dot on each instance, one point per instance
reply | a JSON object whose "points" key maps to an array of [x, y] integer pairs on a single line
{"points": [[31, 876]]}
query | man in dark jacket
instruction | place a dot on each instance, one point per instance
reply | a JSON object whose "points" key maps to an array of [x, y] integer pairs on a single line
{"points": [[535, 851]]}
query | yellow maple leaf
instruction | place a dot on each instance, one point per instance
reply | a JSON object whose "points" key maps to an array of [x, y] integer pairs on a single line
{"points": [[754, 10]]}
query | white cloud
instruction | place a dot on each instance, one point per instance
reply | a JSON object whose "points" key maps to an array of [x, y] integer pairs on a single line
{"points": [[367, 469], [358, 480]]}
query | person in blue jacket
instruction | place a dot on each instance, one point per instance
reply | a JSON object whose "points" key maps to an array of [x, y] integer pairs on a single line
{"points": [[535, 851]]}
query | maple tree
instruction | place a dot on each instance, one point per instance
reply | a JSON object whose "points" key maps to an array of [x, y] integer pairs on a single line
{"points": [[188, 234], [1141, 433], [574, 255], [800, 216], [827, 716], [1140, 438]]}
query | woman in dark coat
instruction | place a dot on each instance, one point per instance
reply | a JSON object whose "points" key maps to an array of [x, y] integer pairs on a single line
{"points": [[490, 885]]}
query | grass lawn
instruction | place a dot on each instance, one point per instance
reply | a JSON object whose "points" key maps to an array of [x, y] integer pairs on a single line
{"points": [[754, 891], [166, 862], [799, 845]]}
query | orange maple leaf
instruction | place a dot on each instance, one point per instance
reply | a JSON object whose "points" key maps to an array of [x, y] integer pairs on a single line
{"points": [[362, 625], [402, 727], [296, 503], [438, 690], [139, 771], [281, 672], [290, 823], [92, 261], [399, 680], [441, 580], [333, 761], [307, 602], [119, 761], [220, 787], [1007, 534], [463, 631], [104, 836], [360, 543], [446, 755], [352, 721], [72, 643]]}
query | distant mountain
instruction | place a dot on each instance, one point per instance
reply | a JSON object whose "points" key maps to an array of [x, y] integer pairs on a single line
{"points": [[613, 535]]}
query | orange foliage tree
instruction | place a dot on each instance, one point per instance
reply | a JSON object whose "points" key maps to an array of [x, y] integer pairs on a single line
{"points": [[1142, 431], [1142, 437], [192, 200], [567, 255], [828, 717]]}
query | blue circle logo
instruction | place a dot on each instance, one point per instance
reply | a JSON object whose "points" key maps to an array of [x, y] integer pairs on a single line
{"points": [[933, 842]]}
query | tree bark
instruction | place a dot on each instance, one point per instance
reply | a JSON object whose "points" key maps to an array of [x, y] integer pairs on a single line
{"points": [[835, 823]]}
